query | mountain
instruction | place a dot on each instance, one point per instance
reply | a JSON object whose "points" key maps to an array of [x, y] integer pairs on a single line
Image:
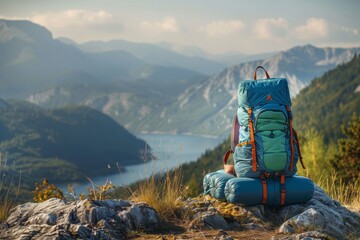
{"points": [[208, 106], [32, 61], [329, 101], [64, 144], [157, 55]]}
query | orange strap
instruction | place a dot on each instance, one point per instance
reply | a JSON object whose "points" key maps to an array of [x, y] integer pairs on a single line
{"points": [[264, 188], [266, 73], [291, 139], [283, 190], [252, 140]]}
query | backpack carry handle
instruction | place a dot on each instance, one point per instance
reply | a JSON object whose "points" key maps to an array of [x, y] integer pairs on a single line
{"points": [[266, 73]]}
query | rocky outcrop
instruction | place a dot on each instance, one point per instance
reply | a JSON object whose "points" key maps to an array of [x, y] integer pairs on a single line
{"points": [[56, 219], [320, 218]]}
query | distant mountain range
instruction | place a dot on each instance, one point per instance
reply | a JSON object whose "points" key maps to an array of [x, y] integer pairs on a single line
{"points": [[64, 144], [155, 54], [32, 61], [211, 103], [120, 79]]}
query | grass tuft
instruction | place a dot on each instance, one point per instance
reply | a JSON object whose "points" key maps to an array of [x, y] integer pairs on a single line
{"points": [[347, 194], [8, 191], [161, 193]]}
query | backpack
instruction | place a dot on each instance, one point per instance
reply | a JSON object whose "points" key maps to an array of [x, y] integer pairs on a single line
{"points": [[263, 141]]}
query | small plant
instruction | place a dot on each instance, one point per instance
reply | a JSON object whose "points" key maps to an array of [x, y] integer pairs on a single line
{"points": [[46, 191], [100, 192], [74, 195]]}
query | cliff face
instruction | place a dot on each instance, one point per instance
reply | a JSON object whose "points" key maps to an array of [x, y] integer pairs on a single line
{"points": [[320, 218]]}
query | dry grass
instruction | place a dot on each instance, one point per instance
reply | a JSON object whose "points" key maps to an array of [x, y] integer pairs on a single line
{"points": [[346, 193], [5, 206], [161, 193], [6, 187]]}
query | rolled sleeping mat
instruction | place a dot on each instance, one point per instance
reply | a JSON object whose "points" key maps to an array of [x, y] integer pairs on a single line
{"points": [[214, 184], [249, 191], [206, 181]]}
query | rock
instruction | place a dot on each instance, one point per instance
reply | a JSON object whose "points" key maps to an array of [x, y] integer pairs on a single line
{"points": [[56, 219], [312, 235], [322, 213], [320, 218], [328, 217], [215, 220], [210, 212], [144, 217]]}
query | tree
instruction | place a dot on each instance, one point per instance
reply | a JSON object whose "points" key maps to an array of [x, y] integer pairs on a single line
{"points": [[315, 156], [347, 161]]}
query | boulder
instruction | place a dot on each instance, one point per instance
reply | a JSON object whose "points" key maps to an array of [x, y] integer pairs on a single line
{"points": [[57, 219], [319, 218], [322, 214]]}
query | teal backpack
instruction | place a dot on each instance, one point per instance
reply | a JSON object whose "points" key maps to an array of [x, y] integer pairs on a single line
{"points": [[264, 143]]}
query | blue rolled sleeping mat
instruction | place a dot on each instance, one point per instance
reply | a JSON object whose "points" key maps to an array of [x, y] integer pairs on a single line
{"points": [[249, 191], [214, 184]]}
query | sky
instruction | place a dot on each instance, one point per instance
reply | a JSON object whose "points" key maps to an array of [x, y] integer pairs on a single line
{"points": [[216, 26]]}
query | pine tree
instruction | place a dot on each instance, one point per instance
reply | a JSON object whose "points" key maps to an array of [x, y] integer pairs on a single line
{"points": [[347, 161]]}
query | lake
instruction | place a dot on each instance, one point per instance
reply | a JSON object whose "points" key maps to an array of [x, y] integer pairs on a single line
{"points": [[170, 151]]}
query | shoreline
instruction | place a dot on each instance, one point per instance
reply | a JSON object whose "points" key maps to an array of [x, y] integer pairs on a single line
{"points": [[175, 133]]}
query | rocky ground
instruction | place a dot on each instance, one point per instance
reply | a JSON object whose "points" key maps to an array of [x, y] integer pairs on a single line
{"points": [[198, 218]]}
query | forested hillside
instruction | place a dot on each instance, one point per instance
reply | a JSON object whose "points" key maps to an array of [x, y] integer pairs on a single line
{"points": [[64, 144], [329, 101]]}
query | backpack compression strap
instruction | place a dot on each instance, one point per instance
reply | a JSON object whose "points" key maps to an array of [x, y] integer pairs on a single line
{"points": [[264, 189], [252, 140], [282, 189]]}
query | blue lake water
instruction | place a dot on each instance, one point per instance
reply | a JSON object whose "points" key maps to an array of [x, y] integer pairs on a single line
{"points": [[170, 151]]}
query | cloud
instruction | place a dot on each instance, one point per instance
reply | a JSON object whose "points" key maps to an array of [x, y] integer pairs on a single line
{"points": [[353, 31], [168, 24], [72, 17], [313, 29], [271, 28], [220, 28]]}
